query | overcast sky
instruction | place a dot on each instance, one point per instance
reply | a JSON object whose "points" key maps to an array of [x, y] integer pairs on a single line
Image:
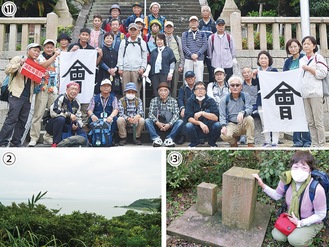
{"points": [[115, 174]]}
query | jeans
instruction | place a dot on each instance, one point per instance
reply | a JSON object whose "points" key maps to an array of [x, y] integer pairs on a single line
{"points": [[152, 129], [195, 133], [302, 139]]}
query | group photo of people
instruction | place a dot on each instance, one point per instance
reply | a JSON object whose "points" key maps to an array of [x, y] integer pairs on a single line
{"points": [[138, 50]]}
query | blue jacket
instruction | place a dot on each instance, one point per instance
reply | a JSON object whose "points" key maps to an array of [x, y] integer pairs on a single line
{"points": [[184, 93], [168, 57], [288, 62]]}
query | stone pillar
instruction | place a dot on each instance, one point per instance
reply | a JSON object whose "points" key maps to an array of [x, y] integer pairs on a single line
{"points": [[52, 24], [239, 197], [207, 198], [229, 8], [235, 20], [63, 12]]}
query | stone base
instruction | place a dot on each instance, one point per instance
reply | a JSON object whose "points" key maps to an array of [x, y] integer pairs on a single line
{"points": [[208, 230]]}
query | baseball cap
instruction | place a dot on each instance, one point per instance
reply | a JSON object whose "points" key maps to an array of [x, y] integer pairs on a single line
{"points": [[49, 41], [33, 45], [220, 21], [138, 19], [219, 70], [106, 81], [193, 17], [132, 25], [137, 4], [189, 74], [169, 23]]}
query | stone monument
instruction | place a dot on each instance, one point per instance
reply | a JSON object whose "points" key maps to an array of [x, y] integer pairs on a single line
{"points": [[239, 197]]}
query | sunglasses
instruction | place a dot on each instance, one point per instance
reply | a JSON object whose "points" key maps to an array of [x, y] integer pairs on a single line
{"points": [[235, 85]]}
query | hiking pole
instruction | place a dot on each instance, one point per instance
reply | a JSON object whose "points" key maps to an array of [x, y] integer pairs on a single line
{"points": [[144, 94]]}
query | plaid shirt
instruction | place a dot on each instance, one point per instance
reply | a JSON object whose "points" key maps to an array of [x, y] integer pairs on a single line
{"points": [[157, 105], [130, 108]]}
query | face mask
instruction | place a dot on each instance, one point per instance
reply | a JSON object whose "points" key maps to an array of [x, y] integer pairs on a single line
{"points": [[200, 98], [130, 96], [299, 175]]}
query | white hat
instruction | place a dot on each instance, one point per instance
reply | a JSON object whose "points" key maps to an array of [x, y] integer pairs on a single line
{"points": [[167, 23], [33, 45], [138, 19], [49, 41], [193, 17], [154, 3], [219, 70], [106, 81]]}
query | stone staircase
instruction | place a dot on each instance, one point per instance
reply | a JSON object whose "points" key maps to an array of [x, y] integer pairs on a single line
{"points": [[176, 11]]}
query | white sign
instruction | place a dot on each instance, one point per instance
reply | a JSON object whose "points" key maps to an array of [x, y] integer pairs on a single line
{"points": [[283, 107], [79, 66], [9, 9]]}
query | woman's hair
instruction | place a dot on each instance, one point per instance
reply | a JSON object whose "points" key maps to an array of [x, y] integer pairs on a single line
{"points": [[161, 36], [289, 42], [304, 157], [266, 53], [109, 34], [313, 40]]}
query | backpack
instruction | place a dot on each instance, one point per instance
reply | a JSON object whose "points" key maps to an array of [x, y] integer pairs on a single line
{"points": [[139, 42], [5, 87], [213, 38], [100, 134], [319, 177]]}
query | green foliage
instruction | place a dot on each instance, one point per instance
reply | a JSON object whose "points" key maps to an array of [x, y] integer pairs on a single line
{"points": [[270, 12], [153, 205], [68, 30], [32, 224]]}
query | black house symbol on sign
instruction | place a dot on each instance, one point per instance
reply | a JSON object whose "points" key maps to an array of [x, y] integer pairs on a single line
{"points": [[284, 98], [77, 72]]}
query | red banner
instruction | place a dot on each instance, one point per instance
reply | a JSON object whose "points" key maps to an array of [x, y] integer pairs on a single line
{"points": [[33, 70]]}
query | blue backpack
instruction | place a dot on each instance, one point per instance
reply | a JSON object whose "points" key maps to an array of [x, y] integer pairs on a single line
{"points": [[322, 178], [100, 134]]}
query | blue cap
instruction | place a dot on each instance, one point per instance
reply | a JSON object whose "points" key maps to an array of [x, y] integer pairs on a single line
{"points": [[189, 74], [131, 86]]}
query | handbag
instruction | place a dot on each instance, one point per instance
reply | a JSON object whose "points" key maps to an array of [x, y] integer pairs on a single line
{"points": [[284, 225], [325, 81]]}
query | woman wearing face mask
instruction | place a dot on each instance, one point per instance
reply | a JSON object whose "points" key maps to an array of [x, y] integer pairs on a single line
{"points": [[162, 63], [305, 214], [107, 66]]}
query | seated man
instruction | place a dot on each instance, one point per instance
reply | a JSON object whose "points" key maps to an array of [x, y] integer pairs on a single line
{"points": [[65, 115], [130, 114], [163, 116], [201, 114], [235, 114], [104, 105], [184, 93]]}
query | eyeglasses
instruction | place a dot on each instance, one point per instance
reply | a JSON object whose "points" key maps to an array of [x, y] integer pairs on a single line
{"points": [[199, 89], [235, 85]]}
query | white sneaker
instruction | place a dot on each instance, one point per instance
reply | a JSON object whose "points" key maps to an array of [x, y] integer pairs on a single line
{"points": [[169, 142], [157, 142], [32, 143]]}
